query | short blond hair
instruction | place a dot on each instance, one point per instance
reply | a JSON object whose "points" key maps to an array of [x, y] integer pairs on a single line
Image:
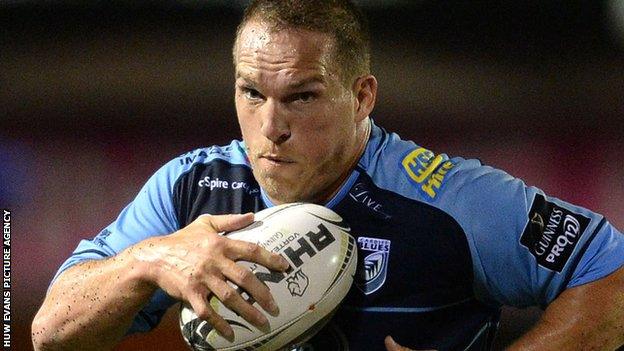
{"points": [[342, 20]]}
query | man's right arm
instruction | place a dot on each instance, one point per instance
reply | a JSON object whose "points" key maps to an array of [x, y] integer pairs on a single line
{"points": [[93, 304]]}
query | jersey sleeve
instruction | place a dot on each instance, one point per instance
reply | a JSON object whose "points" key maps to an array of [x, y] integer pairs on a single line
{"points": [[151, 213], [526, 246]]}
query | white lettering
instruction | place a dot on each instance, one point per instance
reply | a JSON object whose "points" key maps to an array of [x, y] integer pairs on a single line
{"points": [[563, 240], [541, 249], [571, 226], [553, 223], [215, 183], [363, 197], [6, 281]]}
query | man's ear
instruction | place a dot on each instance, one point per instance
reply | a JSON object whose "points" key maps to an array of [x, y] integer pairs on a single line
{"points": [[365, 91]]}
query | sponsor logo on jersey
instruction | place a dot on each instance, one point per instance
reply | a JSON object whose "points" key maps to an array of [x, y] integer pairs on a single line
{"points": [[190, 157], [426, 171], [371, 275], [552, 232], [297, 283], [216, 183], [360, 194]]}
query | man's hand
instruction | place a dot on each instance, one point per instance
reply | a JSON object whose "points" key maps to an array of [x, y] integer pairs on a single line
{"points": [[391, 345], [92, 304], [195, 262]]}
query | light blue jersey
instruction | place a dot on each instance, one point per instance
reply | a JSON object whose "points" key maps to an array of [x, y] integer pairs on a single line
{"points": [[443, 242]]}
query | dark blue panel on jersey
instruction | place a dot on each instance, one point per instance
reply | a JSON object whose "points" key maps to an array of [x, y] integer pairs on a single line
{"points": [[424, 259], [468, 326], [429, 260], [217, 187]]}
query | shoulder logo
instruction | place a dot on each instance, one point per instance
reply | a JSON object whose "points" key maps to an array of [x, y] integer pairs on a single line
{"points": [[552, 232], [372, 274], [426, 171], [100, 239]]}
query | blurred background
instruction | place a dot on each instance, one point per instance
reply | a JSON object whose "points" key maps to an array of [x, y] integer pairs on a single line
{"points": [[95, 96]]}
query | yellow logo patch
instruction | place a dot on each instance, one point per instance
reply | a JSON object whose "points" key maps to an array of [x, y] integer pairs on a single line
{"points": [[426, 170]]}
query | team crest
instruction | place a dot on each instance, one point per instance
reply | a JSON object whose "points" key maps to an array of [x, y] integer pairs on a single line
{"points": [[372, 270], [297, 283]]}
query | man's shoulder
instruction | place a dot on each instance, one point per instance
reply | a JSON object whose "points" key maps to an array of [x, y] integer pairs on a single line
{"points": [[200, 158], [233, 152], [412, 170]]}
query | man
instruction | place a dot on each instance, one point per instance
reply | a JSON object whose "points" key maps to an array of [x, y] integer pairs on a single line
{"points": [[444, 242]]}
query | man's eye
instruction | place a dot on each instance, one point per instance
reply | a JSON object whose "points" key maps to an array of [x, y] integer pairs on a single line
{"points": [[304, 97], [252, 93]]}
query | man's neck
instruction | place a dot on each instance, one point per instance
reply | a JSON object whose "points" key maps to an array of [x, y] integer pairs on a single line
{"points": [[362, 140]]}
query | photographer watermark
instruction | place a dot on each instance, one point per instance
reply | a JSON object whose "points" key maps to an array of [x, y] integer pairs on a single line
{"points": [[6, 279]]}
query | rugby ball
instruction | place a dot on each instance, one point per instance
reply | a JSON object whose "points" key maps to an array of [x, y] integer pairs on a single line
{"points": [[322, 256]]}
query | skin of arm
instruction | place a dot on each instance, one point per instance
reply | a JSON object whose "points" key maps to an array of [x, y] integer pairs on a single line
{"points": [[585, 317], [92, 305]]}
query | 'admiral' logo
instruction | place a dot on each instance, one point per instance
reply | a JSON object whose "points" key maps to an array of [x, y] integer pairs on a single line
{"points": [[372, 273], [100, 239], [426, 171], [192, 156]]}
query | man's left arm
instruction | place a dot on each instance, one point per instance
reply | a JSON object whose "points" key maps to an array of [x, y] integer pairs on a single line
{"points": [[530, 249], [585, 317]]}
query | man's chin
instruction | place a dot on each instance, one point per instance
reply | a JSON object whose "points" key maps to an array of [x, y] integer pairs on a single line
{"points": [[283, 191]]}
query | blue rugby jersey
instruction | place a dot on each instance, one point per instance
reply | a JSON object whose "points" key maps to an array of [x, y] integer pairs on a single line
{"points": [[442, 242]]}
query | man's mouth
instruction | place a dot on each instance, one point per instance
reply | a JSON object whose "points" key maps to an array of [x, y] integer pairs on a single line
{"points": [[276, 159]]}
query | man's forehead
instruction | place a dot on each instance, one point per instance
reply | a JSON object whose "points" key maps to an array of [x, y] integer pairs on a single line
{"points": [[301, 56], [259, 39]]}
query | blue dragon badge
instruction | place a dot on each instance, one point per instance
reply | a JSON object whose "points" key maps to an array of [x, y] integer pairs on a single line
{"points": [[372, 275]]}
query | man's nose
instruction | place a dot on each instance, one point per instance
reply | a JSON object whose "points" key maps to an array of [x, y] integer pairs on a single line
{"points": [[274, 126]]}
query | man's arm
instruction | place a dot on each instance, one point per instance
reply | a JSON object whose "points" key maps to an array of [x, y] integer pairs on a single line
{"points": [[92, 305], [586, 317]]}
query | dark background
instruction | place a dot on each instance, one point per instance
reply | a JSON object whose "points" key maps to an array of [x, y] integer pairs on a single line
{"points": [[95, 97]]}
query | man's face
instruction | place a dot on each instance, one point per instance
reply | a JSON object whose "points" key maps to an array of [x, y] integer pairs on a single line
{"points": [[297, 118]]}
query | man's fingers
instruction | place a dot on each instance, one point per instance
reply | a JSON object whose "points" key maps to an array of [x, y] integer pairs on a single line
{"points": [[392, 345], [204, 311], [243, 250], [227, 223], [245, 278], [234, 301]]}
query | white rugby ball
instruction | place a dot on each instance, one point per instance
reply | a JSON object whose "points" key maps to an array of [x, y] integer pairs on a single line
{"points": [[322, 256]]}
